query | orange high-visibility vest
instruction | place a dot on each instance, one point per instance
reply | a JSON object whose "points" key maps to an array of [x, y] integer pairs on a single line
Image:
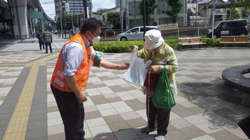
{"points": [[82, 73]]}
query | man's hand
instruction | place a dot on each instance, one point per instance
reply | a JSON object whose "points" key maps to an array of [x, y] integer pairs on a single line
{"points": [[81, 97], [124, 66]]}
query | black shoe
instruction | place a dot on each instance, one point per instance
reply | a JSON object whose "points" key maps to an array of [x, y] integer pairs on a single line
{"points": [[146, 130]]}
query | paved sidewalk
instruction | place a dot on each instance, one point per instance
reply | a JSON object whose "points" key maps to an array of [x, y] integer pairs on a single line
{"points": [[206, 109]]}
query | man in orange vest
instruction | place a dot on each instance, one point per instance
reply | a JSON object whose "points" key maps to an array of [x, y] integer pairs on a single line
{"points": [[71, 74]]}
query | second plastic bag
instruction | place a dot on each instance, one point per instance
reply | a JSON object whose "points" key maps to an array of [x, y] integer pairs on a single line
{"points": [[137, 71]]}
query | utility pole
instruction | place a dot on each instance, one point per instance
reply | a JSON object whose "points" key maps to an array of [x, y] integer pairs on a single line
{"points": [[126, 16], [72, 22], [144, 18], [85, 9], [60, 6], [214, 1], [134, 14], [121, 14], [90, 8], [196, 12]]}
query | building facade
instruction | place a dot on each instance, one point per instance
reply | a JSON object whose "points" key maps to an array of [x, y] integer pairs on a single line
{"points": [[158, 17], [75, 6]]}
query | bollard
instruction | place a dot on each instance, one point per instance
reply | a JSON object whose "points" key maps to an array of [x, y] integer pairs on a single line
{"points": [[114, 36], [105, 36]]}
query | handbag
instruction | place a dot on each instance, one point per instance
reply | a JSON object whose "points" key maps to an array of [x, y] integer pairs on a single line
{"points": [[163, 95]]}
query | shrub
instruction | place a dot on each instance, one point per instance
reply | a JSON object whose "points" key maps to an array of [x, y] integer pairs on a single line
{"points": [[125, 46]]}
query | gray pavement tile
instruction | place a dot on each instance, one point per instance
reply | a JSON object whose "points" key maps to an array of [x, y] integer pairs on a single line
{"points": [[224, 135], [36, 133], [126, 135], [183, 112], [38, 117], [108, 136], [92, 115], [60, 136], [115, 99], [52, 109], [113, 119], [37, 124], [138, 106], [139, 122], [118, 126], [176, 135], [192, 132]]}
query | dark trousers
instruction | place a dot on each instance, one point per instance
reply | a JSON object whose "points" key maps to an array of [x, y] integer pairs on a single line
{"points": [[157, 117], [48, 44], [245, 126], [41, 45], [72, 113]]}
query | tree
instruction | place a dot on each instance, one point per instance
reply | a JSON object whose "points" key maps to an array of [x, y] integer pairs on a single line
{"points": [[67, 21], [235, 12], [176, 6], [100, 10], [150, 6], [114, 19]]}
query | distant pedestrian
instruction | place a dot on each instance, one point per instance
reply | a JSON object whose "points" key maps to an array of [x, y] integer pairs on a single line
{"points": [[59, 33], [71, 33], [39, 36], [48, 40]]}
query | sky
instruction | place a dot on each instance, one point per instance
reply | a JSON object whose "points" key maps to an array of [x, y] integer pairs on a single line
{"points": [[49, 7]]}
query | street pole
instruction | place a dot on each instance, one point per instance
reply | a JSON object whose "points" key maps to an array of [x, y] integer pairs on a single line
{"points": [[85, 9], [134, 14], [213, 19], [60, 16], [72, 22], [196, 13], [144, 18], [121, 15], [126, 11]]}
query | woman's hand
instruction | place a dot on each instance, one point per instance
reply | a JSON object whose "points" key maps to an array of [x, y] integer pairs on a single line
{"points": [[153, 68]]}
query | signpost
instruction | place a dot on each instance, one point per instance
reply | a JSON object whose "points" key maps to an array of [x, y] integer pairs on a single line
{"points": [[214, 1]]}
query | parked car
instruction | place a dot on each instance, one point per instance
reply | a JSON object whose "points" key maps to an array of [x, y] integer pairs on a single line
{"points": [[229, 28], [135, 33], [109, 32]]}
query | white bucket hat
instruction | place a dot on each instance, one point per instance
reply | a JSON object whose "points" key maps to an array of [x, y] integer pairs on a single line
{"points": [[153, 39]]}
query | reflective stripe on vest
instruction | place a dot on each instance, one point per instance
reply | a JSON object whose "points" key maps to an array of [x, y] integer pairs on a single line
{"points": [[82, 73]]}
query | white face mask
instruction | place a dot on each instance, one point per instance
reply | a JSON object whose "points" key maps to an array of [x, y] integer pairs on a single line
{"points": [[96, 39]]}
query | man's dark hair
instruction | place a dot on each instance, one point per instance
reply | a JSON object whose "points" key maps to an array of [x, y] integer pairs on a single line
{"points": [[90, 25]]}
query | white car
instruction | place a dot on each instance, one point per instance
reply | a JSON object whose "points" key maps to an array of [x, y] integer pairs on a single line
{"points": [[135, 33]]}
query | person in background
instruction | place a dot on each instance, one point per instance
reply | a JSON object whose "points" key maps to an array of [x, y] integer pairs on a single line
{"points": [[47, 36], [161, 55], [59, 33], [40, 38], [71, 33], [71, 74]]}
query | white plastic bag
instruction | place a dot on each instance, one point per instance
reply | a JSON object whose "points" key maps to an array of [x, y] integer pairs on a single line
{"points": [[137, 71]]}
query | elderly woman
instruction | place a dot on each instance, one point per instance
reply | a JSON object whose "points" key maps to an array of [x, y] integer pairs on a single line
{"points": [[161, 55]]}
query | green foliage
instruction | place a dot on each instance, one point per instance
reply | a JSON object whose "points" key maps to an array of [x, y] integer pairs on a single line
{"points": [[176, 6], [245, 12], [2, 28], [150, 6], [114, 18], [101, 10], [67, 20], [46, 26], [234, 13], [125, 46]]}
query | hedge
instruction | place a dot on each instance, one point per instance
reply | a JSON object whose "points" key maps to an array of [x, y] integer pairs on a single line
{"points": [[125, 46]]}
